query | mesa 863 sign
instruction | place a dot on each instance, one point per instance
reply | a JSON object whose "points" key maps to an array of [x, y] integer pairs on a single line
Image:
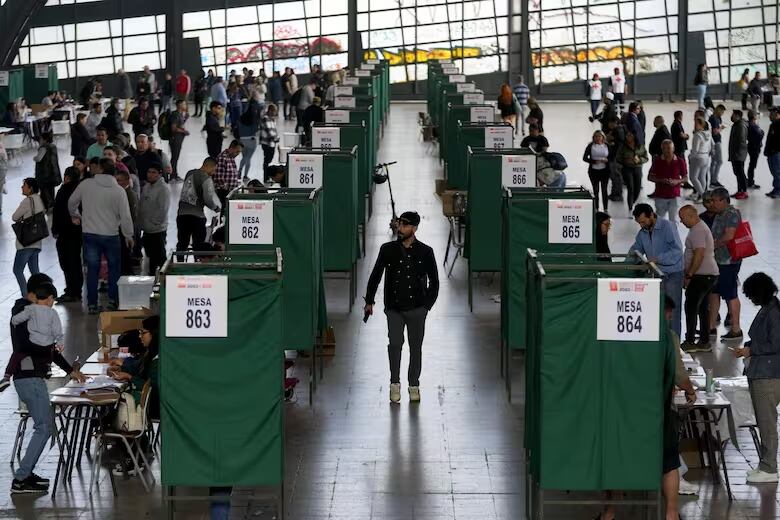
{"points": [[196, 306], [305, 171]]}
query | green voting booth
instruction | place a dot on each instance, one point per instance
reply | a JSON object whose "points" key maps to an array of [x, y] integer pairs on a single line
{"points": [[14, 89], [468, 108], [221, 373], [477, 135], [336, 172], [597, 384], [489, 172]]}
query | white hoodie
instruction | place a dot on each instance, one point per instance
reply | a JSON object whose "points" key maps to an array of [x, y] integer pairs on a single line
{"points": [[702, 142]]}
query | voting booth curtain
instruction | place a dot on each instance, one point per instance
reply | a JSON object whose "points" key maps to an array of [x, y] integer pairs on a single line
{"points": [[222, 396], [457, 111], [297, 230], [526, 225], [476, 136], [594, 409]]}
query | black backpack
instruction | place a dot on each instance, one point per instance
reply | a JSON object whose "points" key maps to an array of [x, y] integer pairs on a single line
{"points": [[164, 125]]}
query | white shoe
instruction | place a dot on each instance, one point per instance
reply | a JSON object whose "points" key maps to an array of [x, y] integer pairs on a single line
{"points": [[688, 488], [395, 392], [414, 394], [761, 477], [751, 471]]}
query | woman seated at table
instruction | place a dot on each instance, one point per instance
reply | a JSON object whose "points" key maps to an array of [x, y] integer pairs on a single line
{"points": [[762, 368], [130, 340]]}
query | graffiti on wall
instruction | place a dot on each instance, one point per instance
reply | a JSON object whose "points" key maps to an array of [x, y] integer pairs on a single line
{"points": [[280, 50], [411, 56], [568, 56]]}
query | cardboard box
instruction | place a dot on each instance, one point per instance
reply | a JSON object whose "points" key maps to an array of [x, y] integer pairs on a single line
{"points": [[113, 323], [328, 342], [454, 203], [441, 186]]}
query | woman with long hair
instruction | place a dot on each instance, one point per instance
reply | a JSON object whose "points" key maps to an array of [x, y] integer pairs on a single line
{"points": [[702, 81], [27, 255], [632, 156], [507, 104], [597, 156]]}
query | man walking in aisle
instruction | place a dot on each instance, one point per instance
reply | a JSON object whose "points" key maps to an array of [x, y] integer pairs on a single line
{"points": [[522, 93], [411, 289]]}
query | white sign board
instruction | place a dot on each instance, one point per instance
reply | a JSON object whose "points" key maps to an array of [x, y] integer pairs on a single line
{"points": [[42, 71], [457, 78], [351, 80], [363, 73], [498, 137], [337, 116], [196, 306], [373, 62], [450, 70], [474, 98], [304, 171], [367, 66], [465, 87], [3, 78], [445, 61], [518, 171], [343, 91], [570, 221], [325, 137], [251, 222], [481, 114], [344, 102], [628, 309]]}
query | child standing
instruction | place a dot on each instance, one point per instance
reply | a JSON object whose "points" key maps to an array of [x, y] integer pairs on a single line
{"points": [[43, 324]]}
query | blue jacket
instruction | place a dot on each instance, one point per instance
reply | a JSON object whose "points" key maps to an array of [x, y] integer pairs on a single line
{"points": [[275, 89], [633, 124], [662, 243], [764, 360]]}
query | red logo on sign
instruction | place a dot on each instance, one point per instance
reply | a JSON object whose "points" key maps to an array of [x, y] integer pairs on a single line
{"points": [[613, 286], [639, 287]]}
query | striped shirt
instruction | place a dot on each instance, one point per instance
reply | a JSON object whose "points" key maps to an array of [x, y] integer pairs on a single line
{"points": [[521, 93], [268, 134]]}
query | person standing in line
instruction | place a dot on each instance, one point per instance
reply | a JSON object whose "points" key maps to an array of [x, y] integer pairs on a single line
{"points": [[701, 275], [197, 192], [632, 156], [597, 156], [716, 126], [506, 104], [79, 137], [47, 169], [96, 148], [756, 92], [522, 93], [269, 137], [125, 90], [634, 124], [153, 217], [305, 99], [755, 139], [661, 134], [292, 88], [742, 84], [679, 136], [104, 215], [616, 136], [166, 93], [724, 226], [142, 118], [617, 84], [276, 89], [213, 128], [594, 95], [94, 118], [227, 176], [772, 152], [763, 371], [669, 172], [701, 80], [69, 240], [183, 85], [200, 91], [411, 290], [699, 159], [218, 92], [659, 240], [178, 133], [27, 255], [608, 111], [248, 125], [738, 150], [535, 114], [125, 260]]}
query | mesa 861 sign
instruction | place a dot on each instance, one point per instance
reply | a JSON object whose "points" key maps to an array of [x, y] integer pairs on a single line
{"points": [[196, 306], [304, 171], [628, 309], [251, 222], [570, 221]]}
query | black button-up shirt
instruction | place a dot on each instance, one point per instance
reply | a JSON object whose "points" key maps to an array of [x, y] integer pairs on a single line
{"points": [[411, 276]]}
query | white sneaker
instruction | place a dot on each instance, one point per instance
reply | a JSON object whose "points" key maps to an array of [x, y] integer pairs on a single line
{"points": [[761, 477], [751, 471], [688, 488], [414, 394], [395, 392]]}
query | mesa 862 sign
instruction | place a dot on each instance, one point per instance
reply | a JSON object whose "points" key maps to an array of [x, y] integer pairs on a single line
{"points": [[196, 306], [628, 309], [251, 222], [304, 171]]}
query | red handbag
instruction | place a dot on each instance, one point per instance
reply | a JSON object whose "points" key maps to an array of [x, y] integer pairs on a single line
{"points": [[742, 245]]}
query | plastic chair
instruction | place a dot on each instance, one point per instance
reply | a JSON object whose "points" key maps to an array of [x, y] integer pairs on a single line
{"points": [[131, 441], [60, 128], [14, 144]]}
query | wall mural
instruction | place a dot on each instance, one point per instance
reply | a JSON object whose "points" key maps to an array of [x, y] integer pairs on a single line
{"points": [[567, 56], [411, 56], [280, 50]]}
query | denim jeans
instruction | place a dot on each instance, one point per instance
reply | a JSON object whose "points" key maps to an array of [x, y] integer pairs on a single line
{"points": [[673, 287], [701, 92], [666, 208], [34, 394], [220, 509], [774, 168], [250, 145], [717, 160], [27, 256], [94, 247], [560, 182]]}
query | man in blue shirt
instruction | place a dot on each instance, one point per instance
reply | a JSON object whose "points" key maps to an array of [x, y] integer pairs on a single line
{"points": [[522, 92], [659, 241]]}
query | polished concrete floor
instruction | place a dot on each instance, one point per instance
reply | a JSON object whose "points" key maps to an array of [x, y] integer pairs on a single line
{"points": [[458, 453]]}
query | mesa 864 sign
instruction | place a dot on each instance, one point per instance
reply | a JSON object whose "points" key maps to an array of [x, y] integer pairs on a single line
{"points": [[628, 309], [305, 171], [196, 306]]}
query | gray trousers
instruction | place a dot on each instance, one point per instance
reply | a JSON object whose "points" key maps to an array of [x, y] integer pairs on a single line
{"points": [[717, 160], [414, 321], [765, 394]]}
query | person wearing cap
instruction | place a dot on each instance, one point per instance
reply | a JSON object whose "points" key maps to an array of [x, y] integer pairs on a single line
{"points": [[411, 289]]}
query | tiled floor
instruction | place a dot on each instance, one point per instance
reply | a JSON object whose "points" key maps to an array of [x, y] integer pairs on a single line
{"points": [[458, 454]]}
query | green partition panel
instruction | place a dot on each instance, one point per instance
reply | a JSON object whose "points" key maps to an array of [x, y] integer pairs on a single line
{"points": [[15, 88], [485, 187], [456, 111], [526, 224], [35, 89], [339, 205], [223, 395], [297, 231], [475, 135], [361, 116]]}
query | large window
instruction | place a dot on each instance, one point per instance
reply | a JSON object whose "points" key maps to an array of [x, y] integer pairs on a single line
{"points": [[738, 34], [409, 32], [94, 48], [272, 36], [573, 39]]}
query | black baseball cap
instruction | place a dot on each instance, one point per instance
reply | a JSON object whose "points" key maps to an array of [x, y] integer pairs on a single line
{"points": [[410, 217]]}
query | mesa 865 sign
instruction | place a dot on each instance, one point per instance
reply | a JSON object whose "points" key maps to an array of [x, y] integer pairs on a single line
{"points": [[304, 171], [570, 221], [196, 306]]}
